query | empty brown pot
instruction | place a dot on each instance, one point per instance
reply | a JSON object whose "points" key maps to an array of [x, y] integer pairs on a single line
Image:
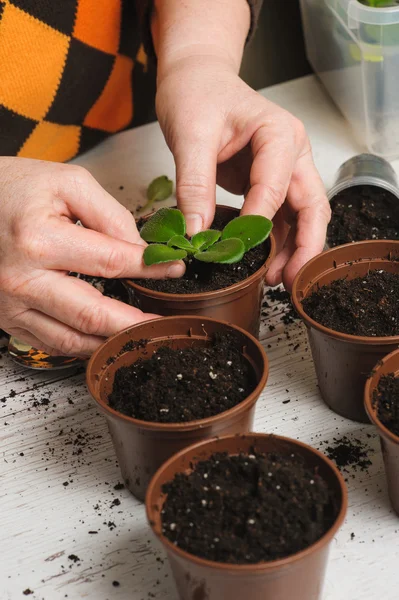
{"points": [[239, 304], [299, 576], [343, 362], [389, 441], [142, 446]]}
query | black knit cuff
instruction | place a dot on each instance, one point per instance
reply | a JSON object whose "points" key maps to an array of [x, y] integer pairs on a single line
{"points": [[146, 8]]}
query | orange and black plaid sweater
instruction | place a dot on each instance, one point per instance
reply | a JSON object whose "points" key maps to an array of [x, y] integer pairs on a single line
{"points": [[68, 69], [69, 72]]}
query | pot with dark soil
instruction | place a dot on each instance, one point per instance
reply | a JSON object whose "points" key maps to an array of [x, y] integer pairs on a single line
{"points": [[381, 398], [363, 212], [171, 382], [247, 516], [230, 291], [348, 298]]}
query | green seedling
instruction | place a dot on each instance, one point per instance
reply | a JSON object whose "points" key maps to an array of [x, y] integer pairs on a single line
{"points": [[379, 3], [165, 232], [159, 189]]}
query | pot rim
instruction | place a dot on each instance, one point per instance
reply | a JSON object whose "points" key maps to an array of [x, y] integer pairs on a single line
{"points": [[189, 425], [240, 285], [257, 568], [368, 400], [338, 335]]}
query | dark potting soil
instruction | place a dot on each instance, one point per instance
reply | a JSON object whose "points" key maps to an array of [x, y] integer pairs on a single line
{"points": [[386, 400], [246, 509], [207, 277], [365, 306], [363, 212], [347, 452], [175, 386]]}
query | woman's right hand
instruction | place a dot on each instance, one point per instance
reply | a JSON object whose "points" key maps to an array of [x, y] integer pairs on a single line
{"points": [[40, 244]]}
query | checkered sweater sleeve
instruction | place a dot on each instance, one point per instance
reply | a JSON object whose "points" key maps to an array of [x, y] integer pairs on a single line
{"points": [[68, 73]]}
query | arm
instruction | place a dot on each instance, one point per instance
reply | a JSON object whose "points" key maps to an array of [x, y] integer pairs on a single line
{"points": [[222, 131]]}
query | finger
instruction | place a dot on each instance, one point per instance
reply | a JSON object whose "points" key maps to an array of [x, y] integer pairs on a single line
{"points": [[275, 154], [65, 247], [196, 181], [55, 337], [308, 201], [83, 198], [275, 273], [233, 174], [80, 306], [281, 230]]}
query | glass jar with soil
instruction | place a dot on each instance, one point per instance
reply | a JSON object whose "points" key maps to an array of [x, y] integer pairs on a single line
{"points": [[364, 202]]}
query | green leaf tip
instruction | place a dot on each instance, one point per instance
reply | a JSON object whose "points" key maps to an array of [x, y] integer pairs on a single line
{"points": [[179, 241], [252, 230], [161, 188], [205, 239], [158, 253], [225, 252], [163, 225]]}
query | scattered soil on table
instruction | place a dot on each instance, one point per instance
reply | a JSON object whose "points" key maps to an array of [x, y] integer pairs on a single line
{"points": [[207, 277], [365, 306], [349, 453], [282, 297], [176, 386], [363, 212], [246, 509], [386, 400]]}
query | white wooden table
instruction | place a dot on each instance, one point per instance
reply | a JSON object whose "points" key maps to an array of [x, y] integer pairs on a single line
{"points": [[57, 489]]}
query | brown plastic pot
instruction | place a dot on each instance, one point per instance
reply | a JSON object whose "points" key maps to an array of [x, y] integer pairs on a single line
{"points": [[239, 304], [299, 576], [343, 362], [389, 441], [141, 446]]}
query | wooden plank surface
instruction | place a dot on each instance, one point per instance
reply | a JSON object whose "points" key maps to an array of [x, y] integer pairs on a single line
{"points": [[58, 473]]}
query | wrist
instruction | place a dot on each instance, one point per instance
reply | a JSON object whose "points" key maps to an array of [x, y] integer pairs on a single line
{"points": [[199, 30]]}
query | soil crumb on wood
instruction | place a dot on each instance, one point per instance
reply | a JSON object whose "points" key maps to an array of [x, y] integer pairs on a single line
{"points": [[363, 212], [386, 400], [176, 386], [246, 509], [207, 277], [349, 453], [365, 306]]}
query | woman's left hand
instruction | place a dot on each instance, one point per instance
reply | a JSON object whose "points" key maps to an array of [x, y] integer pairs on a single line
{"points": [[221, 131]]}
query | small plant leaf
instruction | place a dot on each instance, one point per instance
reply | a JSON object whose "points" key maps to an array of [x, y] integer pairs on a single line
{"points": [[158, 253], [228, 251], [163, 225], [205, 239], [179, 241], [252, 230], [159, 189]]}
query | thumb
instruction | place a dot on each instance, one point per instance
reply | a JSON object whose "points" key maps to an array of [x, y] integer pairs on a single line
{"points": [[196, 163], [85, 199]]}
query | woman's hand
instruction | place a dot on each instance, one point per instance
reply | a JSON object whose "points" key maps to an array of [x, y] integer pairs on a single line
{"points": [[221, 131], [40, 244]]}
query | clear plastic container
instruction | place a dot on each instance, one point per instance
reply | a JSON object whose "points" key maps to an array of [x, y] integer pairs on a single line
{"points": [[354, 49], [365, 169]]}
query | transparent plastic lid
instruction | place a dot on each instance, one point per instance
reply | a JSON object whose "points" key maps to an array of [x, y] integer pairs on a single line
{"points": [[369, 15]]}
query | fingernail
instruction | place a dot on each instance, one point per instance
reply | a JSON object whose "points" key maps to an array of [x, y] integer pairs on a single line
{"points": [[194, 223], [175, 270]]}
